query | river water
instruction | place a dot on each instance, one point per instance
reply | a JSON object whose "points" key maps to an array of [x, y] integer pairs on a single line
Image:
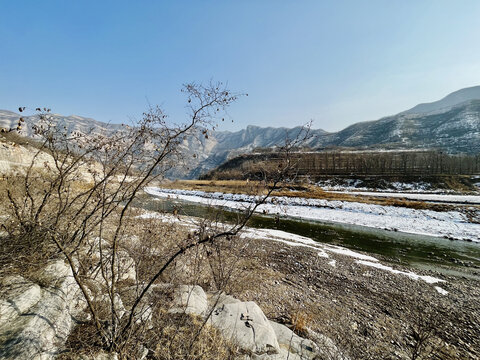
{"points": [[450, 257]]}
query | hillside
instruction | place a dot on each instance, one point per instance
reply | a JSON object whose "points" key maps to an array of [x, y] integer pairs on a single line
{"points": [[455, 129], [455, 98], [451, 124], [9, 119]]}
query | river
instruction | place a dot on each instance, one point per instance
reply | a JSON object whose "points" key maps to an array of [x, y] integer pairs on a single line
{"points": [[450, 257]]}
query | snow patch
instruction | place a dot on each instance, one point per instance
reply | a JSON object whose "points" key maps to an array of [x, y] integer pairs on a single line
{"points": [[441, 291], [357, 185], [412, 275], [350, 253], [453, 199]]}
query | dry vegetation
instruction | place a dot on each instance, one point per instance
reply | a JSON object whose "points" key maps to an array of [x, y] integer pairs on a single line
{"points": [[343, 162], [79, 207], [128, 266], [297, 190]]}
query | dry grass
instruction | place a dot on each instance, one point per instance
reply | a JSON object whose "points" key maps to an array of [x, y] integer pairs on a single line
{"points": [[21, 252], [302, 191], [187, 337], [301, 321]]}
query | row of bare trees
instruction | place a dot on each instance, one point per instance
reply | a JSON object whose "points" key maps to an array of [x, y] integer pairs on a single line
{"points": [[361, 163]]}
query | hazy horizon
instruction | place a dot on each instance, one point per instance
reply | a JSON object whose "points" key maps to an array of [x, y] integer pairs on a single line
{"points": [[336, 63]]}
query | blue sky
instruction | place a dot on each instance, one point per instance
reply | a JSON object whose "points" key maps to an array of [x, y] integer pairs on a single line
{"points": [[335, 62]]}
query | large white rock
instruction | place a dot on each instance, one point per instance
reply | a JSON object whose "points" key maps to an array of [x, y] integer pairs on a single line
{"points": [[38, 326], [189, 299], [18, 296], [291, 342], [245, 324], [125, 268]]}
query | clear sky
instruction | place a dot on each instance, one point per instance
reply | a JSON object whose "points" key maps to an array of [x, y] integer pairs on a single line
{"points": [[336, 62]]}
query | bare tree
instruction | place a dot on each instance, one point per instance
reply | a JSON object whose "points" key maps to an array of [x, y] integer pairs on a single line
{"points": [[84, 199], [424, 331]]}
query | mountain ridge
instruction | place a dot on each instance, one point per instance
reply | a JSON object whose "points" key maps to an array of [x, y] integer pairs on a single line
{"points": [[451, 124], [452, 99]]}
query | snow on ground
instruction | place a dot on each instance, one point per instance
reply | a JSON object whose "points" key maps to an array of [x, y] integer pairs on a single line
{"points": [[441, 291], [452, 199], [356, 185], [451, 224], [412, 275], [323, 250]]}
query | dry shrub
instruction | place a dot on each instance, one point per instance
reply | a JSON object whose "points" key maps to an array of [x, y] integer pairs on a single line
{"points": [[82, 341], [301, 322], [47, 206], [424, 331], [187, 337], [149, 242], [23, 247]]}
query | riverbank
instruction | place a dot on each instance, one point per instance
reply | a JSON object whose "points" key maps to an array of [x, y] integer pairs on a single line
{"points": [[447, 200], [368, 306], [371, 311], [452, 224]]}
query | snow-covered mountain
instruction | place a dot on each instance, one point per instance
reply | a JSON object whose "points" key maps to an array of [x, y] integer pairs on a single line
{"points": [[451, 124], [454, 129], [223, 145], [453, 99]]}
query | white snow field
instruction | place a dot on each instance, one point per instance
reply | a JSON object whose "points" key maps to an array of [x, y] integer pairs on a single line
{"points": [[451, 224]]}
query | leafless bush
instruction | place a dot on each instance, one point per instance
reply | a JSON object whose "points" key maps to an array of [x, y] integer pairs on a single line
{"points": [[81, 207], [424, 331]]}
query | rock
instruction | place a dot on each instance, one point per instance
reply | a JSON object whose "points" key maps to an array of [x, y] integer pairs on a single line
{"points": [[215, 299], [124, 264], [20, 295], [117, 302], [189, 299], [102, 355], [326, 347], [38, 319], [144, 315], [245, 325], [291, 342], [282, 355]]}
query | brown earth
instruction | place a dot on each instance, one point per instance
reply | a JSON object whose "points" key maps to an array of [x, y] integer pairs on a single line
{"points": [[370, 313]]}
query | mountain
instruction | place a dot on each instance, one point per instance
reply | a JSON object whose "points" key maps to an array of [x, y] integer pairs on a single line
{"points": [[454, 129], [9, 119], [451, 124], [453, 99], [223, 145]]}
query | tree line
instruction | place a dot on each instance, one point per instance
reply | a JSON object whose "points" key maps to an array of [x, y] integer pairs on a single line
{"points": [[338, 162]]}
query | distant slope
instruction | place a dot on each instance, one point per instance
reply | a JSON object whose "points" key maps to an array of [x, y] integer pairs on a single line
{"points": [[225, 145], [451, 124], [453, 99], [455, 130], [9, 119]]}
